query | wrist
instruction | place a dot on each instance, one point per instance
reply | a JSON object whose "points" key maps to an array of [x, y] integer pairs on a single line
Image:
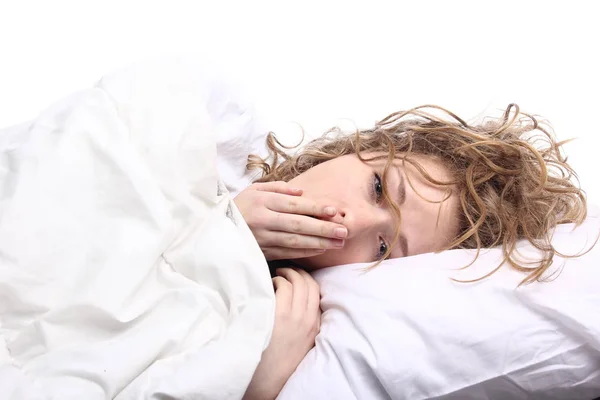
{"points": [[266, 382], [265, 389]]}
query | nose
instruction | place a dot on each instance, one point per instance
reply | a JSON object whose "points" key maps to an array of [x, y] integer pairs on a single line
{"points": [[361, 220]]}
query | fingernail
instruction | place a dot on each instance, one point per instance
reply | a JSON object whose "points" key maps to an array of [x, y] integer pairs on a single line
{"points": [[330, 211], [338, 243], [319, 251], [340, 232], [296, 190]]}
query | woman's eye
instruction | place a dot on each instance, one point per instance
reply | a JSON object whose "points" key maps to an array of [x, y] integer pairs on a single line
{"points": [[383, 247], [378, 187]]}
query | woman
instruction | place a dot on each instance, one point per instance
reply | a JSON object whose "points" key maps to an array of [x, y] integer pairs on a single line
{"points": [[415, 183], [125, 257]]}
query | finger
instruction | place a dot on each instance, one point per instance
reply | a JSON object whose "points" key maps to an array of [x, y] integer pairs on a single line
{"points": [[319, 316], [300, 289], [313, 301], [298, 241], [278, 187], [304, 225], [283, 294], [284, 253], [299, 205]]}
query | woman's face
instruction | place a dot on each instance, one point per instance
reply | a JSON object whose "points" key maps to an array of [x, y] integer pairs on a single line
{"points": [[354, 188]]}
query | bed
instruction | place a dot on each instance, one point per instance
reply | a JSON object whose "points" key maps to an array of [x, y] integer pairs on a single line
{"points": [[116, 283]]}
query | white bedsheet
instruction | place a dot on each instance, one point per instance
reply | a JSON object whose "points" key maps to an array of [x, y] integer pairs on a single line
{"points": [[126, 270]]}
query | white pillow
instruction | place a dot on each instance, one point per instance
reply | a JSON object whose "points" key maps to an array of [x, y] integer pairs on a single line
{"points": [[404, 330]]}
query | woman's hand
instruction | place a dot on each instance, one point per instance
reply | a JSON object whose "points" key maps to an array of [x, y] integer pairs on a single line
{"points": [[281, 222], [297, 323]]}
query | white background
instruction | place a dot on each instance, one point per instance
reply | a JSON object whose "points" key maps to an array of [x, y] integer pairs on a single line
{"points": [[317, 62]]}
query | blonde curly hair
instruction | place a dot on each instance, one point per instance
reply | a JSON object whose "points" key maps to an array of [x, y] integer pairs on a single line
{"points": [[509, 174]]}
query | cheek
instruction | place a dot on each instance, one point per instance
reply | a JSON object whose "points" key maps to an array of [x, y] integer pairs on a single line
{"points": [[350, 254]]}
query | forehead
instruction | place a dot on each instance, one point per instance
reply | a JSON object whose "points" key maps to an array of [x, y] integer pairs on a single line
{"points": [[429, 213], [429, 222]]}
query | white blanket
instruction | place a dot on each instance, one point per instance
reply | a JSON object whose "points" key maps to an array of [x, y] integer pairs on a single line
{"points": [[126, 270]]}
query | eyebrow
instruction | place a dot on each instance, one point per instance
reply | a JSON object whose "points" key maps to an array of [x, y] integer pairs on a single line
{"points": [[401, 189], [401, 199], [403, 245]]}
